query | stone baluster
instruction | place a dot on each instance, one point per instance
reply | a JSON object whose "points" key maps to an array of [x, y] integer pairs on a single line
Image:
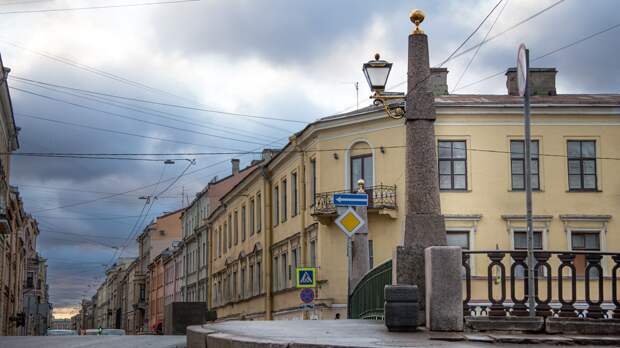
{"points": [[568, 306], [594, 308], [519, 308], [542, 265], [497, 305], [614, 286]]}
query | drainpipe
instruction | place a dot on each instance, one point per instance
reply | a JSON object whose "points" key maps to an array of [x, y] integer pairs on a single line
{"points": [[268, 238], [302, 208], [209, 252]]}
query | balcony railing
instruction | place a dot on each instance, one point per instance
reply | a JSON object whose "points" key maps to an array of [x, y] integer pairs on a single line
{"points": [[379, 197], [567, 284]]}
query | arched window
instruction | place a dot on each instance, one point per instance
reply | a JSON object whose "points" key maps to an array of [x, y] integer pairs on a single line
{"points": [[361, 165]]}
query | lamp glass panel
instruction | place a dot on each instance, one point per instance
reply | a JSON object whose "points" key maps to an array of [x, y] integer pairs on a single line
{"points": [[377, 76]]}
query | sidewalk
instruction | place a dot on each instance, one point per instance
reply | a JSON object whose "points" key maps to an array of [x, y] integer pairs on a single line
{"points": [[360, 333]]}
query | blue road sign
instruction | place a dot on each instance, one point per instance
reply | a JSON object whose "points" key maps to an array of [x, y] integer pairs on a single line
{"points": [[351, 199], [306, 277], [306, 295]]}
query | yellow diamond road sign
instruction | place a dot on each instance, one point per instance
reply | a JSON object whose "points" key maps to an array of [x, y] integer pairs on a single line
{"points": [[350, 222]]}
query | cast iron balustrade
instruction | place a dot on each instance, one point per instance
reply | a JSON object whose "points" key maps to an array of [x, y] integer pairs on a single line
{"points": [[367, 299], [379, 197], [568, 284]]}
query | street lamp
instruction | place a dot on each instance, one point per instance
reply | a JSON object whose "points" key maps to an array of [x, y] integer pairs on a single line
{"points": [[377, 72]]}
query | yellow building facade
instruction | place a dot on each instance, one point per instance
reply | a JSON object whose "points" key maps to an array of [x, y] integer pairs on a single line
{"points": [[281, 217]]}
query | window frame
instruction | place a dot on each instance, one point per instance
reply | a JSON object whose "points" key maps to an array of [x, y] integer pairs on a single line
{"points": [[451, 160], [522, 160], [294, 194], [313, 182], [361, 158], [276, 205], [243, 223], [259, 212], [284, 200], [581, 160]]}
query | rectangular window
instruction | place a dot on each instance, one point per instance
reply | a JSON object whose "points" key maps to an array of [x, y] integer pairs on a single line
{"points": [[371, 253], [312, 182], [230, 227], [361, 168], [252, 213], [293, 266], [236, 227], [283, 269], [585, 241], [251, 282], [274, 273], [284, 200], [276, 205], [458, 238], [312, 253], [517, 164], [582, 165], [295, 201], [258, 279], [234, 287], [520, 243], [243, 223], [452, 165], [242, 283], [225, 232], [259, 212]]}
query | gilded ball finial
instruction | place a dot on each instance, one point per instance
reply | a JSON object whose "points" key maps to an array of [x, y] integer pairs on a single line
{"points": [[360, 184], [417, 17], [377, 56]]}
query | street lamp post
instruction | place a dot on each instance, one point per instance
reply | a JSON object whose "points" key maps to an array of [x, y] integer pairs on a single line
{"points": [[424, 224]]}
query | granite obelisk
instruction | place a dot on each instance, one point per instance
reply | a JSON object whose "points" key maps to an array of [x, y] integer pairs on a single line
{"points": [[424, 224]]}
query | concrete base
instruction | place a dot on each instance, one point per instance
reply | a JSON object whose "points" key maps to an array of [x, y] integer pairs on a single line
{"points": [[356, 333], [518, 324], [444, 294], [582, 326], [401, 307]]}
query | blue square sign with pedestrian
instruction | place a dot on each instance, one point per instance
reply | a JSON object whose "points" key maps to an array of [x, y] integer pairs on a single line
{"points": [[306, 277]]}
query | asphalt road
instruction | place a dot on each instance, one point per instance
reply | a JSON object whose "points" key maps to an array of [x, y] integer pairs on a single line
{"points": [[93, 341]]}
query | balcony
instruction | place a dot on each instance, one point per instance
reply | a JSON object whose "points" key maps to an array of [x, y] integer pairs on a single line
{"points": [[381, 200]]}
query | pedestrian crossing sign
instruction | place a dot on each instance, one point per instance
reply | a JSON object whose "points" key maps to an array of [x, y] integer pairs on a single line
{"points": [[306, 277]]}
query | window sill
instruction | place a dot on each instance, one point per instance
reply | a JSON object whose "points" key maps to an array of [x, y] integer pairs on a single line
{"points": [[584, 191], [521, 191], [454, 190]]}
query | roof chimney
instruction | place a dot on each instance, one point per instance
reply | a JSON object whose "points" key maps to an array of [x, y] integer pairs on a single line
{"points": [[541, 81], [235, 166], [439, 81]]}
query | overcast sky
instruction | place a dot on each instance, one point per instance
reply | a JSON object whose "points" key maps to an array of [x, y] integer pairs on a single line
{"points": [[296, 60]]}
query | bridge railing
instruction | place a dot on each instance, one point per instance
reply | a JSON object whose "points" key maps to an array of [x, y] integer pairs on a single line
{"points": [[367, 299], [574, 284]]}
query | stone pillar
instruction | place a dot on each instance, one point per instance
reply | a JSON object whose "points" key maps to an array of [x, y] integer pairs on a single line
{"points": [[444, 293], [424, 224], [360, 264]]}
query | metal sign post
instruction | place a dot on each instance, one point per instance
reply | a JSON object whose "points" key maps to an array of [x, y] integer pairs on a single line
{"points": [[523, 72]]}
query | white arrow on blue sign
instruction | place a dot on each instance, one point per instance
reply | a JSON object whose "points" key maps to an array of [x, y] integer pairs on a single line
{"points": [[351, 199]]}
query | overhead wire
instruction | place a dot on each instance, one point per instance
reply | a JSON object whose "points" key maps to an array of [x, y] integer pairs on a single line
{"points": [[551, 52], [86, 107], [473, 57], [66, 9], [148, 111]]}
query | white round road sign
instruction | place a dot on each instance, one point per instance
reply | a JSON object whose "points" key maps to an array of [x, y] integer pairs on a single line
{"points": [[521, 69]]}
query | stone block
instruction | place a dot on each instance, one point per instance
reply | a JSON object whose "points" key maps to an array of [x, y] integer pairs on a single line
{"points": [[401, 316], [444, 297], [401, 293], [179, 315], [520, 324], [582, 326]]}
